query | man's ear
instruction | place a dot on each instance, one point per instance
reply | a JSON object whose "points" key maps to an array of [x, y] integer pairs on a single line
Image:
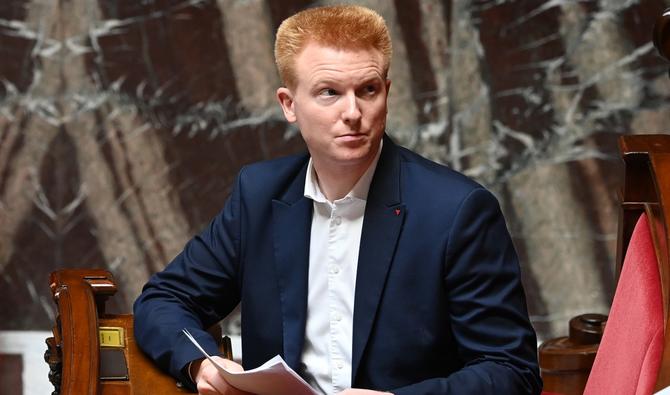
{"points": [[285, 97]]}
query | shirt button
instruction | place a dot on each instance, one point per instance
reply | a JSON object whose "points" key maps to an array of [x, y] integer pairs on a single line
{"points": [[339, 364], [337, 220], [334, 269], [337, 317]]}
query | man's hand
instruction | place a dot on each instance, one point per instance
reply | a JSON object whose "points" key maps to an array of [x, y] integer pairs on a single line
{"points": [[208, 380], [358, 391]]}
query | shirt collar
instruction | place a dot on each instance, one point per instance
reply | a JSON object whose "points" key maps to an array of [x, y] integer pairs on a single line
{"points": [[359, 191]]}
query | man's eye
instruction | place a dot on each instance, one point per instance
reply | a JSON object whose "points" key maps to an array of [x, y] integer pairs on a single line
{"points": [[371, 89], [328, 92]]}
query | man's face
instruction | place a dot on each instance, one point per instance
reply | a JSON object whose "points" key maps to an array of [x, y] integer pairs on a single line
{"points": [[339, 103]]}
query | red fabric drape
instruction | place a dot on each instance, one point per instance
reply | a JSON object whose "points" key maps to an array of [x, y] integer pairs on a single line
{"points": [[630, 352]]}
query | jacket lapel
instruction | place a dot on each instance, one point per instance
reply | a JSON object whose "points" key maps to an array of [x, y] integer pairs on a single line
{"points": [[292, 219], [384, 216]]}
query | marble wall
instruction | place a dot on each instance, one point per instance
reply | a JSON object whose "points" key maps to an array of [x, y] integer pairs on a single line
{"points": [[123, 123]]}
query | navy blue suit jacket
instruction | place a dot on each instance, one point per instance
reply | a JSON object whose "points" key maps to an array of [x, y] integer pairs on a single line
{"points": [[439, 307]]}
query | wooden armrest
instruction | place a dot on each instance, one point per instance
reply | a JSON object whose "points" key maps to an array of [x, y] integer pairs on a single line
{"points": [[87, 360]]}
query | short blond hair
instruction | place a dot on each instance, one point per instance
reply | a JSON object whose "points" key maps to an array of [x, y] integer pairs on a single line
{"points": [[341, 27]]}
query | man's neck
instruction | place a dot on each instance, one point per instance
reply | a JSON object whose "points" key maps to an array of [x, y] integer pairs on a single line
{"points": [[336, 182]]}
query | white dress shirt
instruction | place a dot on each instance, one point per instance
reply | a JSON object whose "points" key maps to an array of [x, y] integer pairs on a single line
{"points": [[333, 260]]}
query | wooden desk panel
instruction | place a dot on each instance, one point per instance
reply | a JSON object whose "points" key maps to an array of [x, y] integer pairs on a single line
{"points": [[146, 378]]}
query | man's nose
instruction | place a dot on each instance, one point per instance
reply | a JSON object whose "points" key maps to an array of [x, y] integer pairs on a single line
{"points": [[352, 112]]}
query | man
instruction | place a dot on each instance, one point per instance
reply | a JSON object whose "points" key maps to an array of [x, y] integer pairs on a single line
{"points": [[366, 266]]}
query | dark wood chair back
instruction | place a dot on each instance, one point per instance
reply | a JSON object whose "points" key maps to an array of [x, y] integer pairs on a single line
{"points": [[647, 189], [566, 362], [92, 352]]}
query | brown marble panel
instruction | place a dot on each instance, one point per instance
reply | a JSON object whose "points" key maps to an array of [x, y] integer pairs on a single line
{"points": [[177, 57], [17, 44], [424, 85], [280, 10], [11, 368], [57, 232], [517, 39], [124, 123], [633, 19], [168, 57]]}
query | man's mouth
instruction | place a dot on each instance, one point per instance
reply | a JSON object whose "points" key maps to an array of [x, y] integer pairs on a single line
{"points": [[352, 134], [352, 137]]}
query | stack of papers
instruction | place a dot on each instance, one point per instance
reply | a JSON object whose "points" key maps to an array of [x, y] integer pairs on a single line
{"points": [[274, 377]]}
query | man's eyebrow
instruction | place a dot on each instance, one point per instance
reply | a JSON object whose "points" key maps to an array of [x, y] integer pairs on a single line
{"points": [[319, 81], [364, 80], [368, 78], [375, 79]]}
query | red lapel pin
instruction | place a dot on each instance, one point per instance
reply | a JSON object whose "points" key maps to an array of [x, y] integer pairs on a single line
{"points": [[397, 211]]}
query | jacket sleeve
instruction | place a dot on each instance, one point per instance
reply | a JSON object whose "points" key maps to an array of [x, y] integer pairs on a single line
{"points": [[487, 308], [197, 289]]}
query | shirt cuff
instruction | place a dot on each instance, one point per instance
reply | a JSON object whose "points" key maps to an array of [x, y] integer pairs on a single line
{"points": [[187, 380], [188, 372]]}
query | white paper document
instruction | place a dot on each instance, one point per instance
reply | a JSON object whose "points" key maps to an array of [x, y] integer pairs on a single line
{"points": [[274, 377]]}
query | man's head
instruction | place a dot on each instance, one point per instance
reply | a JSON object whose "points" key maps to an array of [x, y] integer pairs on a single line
{"points": [[334, 62], [347, 27]]}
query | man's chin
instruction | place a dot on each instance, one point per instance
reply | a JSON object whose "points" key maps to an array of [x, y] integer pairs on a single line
{"points": [[354, 157]]}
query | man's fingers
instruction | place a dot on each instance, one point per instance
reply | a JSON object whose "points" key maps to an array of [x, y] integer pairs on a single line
{"points": [[209, 382], [204, 388], [231, 366]]}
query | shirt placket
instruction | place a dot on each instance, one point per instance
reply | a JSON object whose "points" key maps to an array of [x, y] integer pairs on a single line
{"points": [[335, 261]]}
